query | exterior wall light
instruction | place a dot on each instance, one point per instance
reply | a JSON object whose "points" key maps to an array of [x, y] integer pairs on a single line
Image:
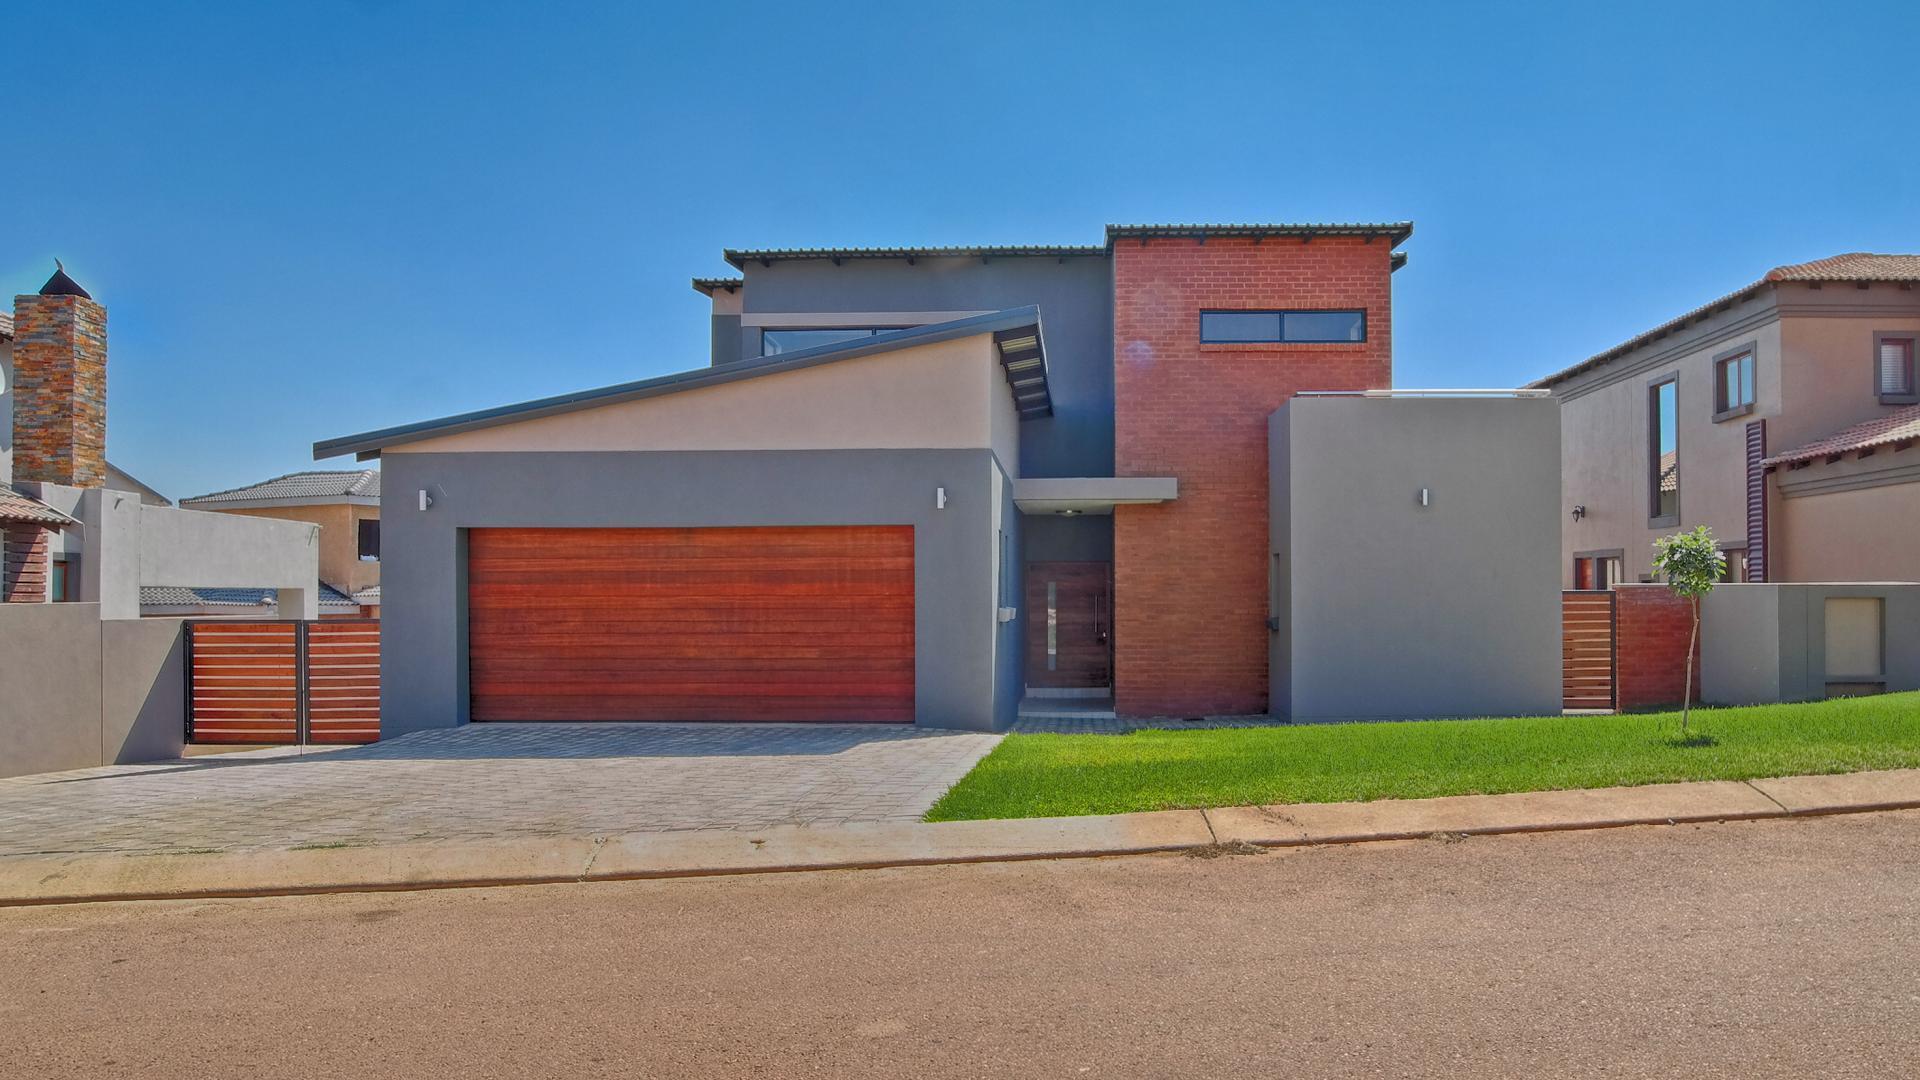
{"points": [[1579, 512], [1426, 496], [939, 498], [426, 500]]}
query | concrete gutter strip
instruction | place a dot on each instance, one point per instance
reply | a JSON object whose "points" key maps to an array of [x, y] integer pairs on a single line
{"points": [[97, 876]]}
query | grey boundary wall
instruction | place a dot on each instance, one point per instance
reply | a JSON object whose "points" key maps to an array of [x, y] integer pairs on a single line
{"points": [[1387, 609], [966, 667], [82, 692], [1763, 643]]}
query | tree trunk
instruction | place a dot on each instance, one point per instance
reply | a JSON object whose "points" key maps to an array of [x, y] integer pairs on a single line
{"points": [[1686, 700]]}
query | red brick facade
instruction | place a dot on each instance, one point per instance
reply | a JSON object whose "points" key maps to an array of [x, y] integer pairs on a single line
{"points": [[1190, 576], [23, 565], [1651, 626], [60, 390]]}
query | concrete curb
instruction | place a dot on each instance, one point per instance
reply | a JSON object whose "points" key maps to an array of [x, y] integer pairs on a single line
{"points": [[94, 876]]}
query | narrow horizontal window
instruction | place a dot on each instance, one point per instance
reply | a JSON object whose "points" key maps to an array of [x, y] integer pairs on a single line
{"points": [[1291, 327], [775, 342]]}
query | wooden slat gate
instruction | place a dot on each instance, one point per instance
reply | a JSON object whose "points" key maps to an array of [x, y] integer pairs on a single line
{"points": [[283, 681], [1587, 656]]}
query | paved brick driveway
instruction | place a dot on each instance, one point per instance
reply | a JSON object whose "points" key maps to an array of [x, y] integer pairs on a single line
{"points": [[495, 780]]}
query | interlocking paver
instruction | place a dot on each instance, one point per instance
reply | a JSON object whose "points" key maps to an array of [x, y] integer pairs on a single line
{"points": [[485, 780]]}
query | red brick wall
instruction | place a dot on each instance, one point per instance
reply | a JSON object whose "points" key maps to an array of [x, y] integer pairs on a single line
{"points": [[23, 565], [1190, 577], [1651, 627]]}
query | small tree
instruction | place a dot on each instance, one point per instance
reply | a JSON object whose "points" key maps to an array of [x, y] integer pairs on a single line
{"points": [[1691, 562]]}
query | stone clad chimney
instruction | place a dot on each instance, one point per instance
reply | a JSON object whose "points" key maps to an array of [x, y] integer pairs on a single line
{"points": [[60, 385]]}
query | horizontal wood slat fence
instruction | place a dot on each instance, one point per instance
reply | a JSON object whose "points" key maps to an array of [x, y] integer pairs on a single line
{"points": [[283, 682], [1587, 654]]}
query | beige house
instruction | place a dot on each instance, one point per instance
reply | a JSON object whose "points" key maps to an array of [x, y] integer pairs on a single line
{"points": [[346, 506], [1783, 415]]}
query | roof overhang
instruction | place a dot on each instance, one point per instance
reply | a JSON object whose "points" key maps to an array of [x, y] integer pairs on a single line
{"points": [[1073, 495], [1018, 339], [711, 285]]}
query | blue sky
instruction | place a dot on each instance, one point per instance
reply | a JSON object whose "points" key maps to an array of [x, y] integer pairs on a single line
{"points": [[310, 220]]}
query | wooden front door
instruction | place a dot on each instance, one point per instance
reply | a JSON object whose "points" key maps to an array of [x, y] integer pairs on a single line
{"points": [[1070, 624], [723, 624]]}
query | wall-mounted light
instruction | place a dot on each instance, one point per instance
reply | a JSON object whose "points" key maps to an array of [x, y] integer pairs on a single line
{"points": [[939, 498], [1579, 511], [426, 500], [1426, 496]]}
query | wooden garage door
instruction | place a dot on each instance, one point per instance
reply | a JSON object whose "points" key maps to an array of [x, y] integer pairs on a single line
{"points": [[776, 624]]}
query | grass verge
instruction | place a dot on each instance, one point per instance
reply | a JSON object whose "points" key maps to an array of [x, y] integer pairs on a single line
{"points": [[1067, 775]]}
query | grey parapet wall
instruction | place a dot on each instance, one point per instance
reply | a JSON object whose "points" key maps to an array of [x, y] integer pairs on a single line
{"points": [[1764, 643], [1386, 606], [966, 662]]}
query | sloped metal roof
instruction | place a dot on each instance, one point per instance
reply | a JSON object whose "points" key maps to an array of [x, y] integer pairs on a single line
{"points": [[709, 285], [1016, 331], [1395, 231], [765, 256]]}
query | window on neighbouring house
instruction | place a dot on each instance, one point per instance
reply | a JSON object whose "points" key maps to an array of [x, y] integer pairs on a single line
{"points": [[1663, 443], [63, 579], [776, 342], [1596, 571], [370, 539], [1893, 373], [1733, 383], [1292, 327]]}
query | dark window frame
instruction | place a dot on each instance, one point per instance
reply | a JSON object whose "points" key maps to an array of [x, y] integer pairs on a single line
{"points": [[869, 331], [1723, 409], [360, 542], [1912, 338], [1600, 557], [63, 577], [1283, 339], [1655, 519]]}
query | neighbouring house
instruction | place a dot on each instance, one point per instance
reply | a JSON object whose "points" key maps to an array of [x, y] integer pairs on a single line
{"points": [[1783, 415], [346, 506], [110, 536], [951, 486], [84, 546]]}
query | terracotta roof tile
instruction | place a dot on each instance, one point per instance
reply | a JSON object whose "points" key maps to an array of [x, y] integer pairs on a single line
{"points": [[18, 507], [1853, 266], [1897, 426]]}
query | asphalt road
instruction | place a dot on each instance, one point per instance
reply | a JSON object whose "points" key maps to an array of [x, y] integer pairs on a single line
{"points": [[1787, 948]]}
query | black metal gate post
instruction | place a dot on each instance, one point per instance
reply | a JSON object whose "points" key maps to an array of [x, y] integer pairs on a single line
{"points": [[300, 683]]}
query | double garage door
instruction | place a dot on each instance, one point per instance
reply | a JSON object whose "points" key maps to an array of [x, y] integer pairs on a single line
{"points": [[753, 624]]}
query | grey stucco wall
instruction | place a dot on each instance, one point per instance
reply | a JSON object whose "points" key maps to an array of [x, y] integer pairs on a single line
{"points": [[1394, 610], [1767, 642], [957, 638], [82, 692], [1740, 645], [1075, 297]]}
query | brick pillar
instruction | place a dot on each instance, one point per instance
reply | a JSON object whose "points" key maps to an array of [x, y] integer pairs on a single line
{"points": [[60, 388], [1651, 626], [1190, 576], [23, 565]]}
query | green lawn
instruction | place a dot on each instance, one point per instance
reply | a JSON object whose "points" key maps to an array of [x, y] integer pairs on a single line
{"points": [[1060, 775]]}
